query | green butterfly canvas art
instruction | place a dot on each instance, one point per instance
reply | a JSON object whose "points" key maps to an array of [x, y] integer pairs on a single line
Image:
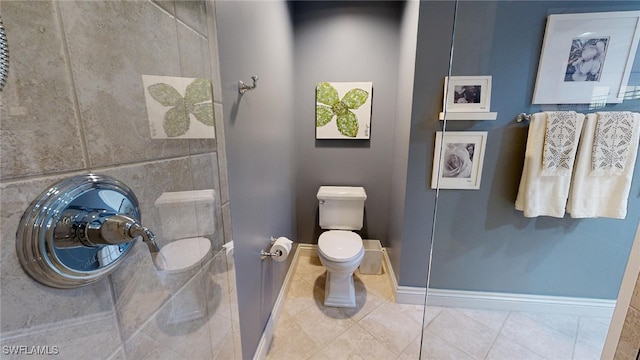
{"points": [[179, 107], [343, 110]]}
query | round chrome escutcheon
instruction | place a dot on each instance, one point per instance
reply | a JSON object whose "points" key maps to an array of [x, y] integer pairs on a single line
{"points": [[50, 240]]}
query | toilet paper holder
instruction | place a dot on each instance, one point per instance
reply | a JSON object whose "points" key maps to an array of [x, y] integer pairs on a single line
{"points": [[266, 254]]}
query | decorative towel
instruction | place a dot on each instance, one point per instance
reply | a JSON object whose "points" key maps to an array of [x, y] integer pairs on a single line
{"points": [[540, 195], [560, 143], [596, 195], [614, 131]]}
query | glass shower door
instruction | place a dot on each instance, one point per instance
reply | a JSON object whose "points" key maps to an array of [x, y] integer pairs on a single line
{"points": [[543, 282]]}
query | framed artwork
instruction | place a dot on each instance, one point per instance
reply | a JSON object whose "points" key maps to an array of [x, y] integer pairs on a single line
{"points": [[587, 58], [467, 93], [343, 110], [179, 108], [458, 158]]}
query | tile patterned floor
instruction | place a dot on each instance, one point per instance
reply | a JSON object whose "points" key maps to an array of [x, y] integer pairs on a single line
{"points": [[381, 329]]}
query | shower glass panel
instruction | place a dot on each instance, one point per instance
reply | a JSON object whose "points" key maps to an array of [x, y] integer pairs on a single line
{"points": [[543, 283], [125, 90]]}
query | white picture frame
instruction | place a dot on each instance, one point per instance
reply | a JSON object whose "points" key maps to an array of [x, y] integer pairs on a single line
{"points": [[343, 110], [461, 154], [468, 94], [587, 58]]}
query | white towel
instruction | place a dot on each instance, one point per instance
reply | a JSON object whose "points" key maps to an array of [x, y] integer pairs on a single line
{"points": [[612, 142], [540, 195], [598, 194], [560, 143]]}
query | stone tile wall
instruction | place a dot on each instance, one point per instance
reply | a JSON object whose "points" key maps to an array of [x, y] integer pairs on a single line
{"points": [[74, 104], [629, 342]]}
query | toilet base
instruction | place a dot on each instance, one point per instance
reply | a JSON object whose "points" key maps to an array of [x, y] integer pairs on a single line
{"points": [[339, 291]]}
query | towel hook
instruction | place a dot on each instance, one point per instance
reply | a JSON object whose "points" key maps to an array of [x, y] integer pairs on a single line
{"points": [[243, 88]]}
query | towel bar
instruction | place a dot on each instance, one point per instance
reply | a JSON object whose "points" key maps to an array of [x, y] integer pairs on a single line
{"points": [[523, 117]]}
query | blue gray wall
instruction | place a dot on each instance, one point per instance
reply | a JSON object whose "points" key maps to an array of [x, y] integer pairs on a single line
{"points": [[482, 243], [255, 38], [322, 53]]}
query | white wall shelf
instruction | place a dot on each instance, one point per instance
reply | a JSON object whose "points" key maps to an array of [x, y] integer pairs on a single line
{"points": [[469, 116]]}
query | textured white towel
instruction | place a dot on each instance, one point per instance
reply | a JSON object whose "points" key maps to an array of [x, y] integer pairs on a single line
{"points": [[540, 195], [596, 195], [560, 143], [612, 142]]}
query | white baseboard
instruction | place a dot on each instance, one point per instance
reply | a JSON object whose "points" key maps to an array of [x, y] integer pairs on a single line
{"points": [[507, 302], [270, 328]]}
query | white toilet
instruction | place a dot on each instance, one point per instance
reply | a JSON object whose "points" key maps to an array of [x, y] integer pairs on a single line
{"points": [[339, 249]]}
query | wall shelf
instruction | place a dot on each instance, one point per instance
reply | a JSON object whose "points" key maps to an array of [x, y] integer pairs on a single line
{"points": [[469, 116]]}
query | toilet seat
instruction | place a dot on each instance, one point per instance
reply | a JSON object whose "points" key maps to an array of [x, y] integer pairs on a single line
{"points": [[340, 245]]}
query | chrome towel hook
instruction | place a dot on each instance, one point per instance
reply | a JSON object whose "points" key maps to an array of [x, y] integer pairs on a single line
{"points": [[243, 88]]}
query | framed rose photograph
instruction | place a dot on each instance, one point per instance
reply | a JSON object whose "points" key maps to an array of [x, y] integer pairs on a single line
{"points": [[457, 160], [467, 93], [587, 58]]}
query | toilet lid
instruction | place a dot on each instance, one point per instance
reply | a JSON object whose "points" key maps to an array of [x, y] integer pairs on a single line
{"points": [[339, 245]]}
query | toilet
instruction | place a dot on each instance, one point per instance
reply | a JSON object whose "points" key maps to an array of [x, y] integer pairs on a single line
{"points": [[340, 250]]}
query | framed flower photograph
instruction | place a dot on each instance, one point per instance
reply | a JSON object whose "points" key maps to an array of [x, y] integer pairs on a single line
{"points": [[343, 110], [457, 160], [587, 58], [467, 93]]}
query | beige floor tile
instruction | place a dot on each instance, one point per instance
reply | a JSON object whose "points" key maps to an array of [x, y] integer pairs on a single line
{"points": [[543, 340], [323, 324], [365, 303], [291, 342], [592, 333], [309, 268], [430, 313], [505, 349], [567, 324], [377, 284], [391, 326], [489, 318], [462, 332], [356, 343], [378, 328], [412, 351], [435, 348], [301, 295], [416, 312]]}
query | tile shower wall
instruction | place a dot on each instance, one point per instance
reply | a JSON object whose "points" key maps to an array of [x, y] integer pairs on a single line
{"points": [[629, 342], [74, 104]]}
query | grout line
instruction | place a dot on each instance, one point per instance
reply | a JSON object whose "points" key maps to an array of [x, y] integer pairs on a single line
{"points": [[72, 83], [575, 338], [96, 169], [116, 313], [498, 334], [162, 9]]}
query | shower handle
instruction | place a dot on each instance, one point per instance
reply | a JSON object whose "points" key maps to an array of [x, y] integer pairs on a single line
{"points": [[78, 227], [117, 229]]}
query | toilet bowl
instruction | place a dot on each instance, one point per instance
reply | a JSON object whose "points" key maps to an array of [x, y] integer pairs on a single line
{"points": [[341, 211], [340, 253]]}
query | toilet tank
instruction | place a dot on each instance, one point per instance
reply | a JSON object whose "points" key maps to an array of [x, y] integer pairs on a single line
{"points": [[341, 207]]}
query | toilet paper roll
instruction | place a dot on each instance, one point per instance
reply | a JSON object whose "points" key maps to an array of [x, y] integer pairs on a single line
{"points": [[281, 246]]}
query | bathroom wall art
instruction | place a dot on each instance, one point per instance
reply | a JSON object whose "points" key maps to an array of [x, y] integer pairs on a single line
{"points": [[343, 110], [179, 108], [457, 160], [587, 58], [467, 93]]}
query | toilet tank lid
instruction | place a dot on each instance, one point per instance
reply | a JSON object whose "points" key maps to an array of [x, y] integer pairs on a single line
{"points": [[341, 193]]}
